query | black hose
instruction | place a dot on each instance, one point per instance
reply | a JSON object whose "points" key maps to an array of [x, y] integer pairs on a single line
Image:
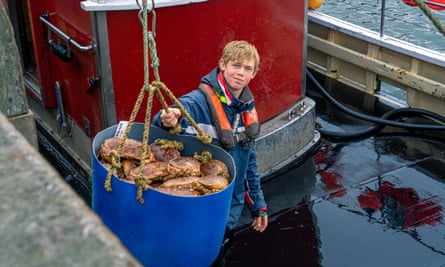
{"points": [[380, 122], [377, 127]]}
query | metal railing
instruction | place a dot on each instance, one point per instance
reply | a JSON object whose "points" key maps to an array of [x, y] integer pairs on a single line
{"points": [[52, 28]]}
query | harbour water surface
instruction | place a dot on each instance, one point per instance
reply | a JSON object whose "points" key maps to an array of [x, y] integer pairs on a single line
{"points": [[377, 201], [401, 21], [370, 201]]}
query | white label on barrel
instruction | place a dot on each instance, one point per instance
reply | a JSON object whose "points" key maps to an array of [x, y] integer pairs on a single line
{"points": [[121, 128]]}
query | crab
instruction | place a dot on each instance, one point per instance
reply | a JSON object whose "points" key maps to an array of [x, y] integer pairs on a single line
{"points": [[202, 185], [184, 166], [181, 186], [215, 167], [152, 172], [127, 166], [180, 182], [165, 169], [210, 184], [132, 149], [164, 153]]}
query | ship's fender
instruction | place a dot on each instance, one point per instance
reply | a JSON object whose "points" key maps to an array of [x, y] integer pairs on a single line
{"points": [[314, 4]]}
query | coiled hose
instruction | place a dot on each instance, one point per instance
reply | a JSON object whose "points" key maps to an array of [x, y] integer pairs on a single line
{"points": [[379, 122]]}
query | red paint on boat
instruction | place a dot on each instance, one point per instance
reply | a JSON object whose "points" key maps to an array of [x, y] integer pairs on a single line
{"points": [[435, 5], [189, 40], [80, 101], [189, 45]]}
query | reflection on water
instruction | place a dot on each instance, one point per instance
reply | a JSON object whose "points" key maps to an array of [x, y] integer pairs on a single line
{"points": [[291, 233], [373, 202], [287, 190], [401, 207], [401, 21]]}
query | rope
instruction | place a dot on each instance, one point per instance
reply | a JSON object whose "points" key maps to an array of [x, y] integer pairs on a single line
{"points": [[157, 84], [152, 88], [155, 65], [139, 181], [430, 15], [202, 136], [115, 156]]}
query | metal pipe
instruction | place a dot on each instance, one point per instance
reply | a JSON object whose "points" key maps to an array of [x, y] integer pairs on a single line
{"points": [[64, 36], [382, 17]]}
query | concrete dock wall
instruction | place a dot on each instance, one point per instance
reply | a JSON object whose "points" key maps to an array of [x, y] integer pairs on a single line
{"points": [[43, 221], [13, 103]]}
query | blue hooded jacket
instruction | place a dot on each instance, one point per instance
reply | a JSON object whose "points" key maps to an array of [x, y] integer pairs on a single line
{"points": [[195, 104]]}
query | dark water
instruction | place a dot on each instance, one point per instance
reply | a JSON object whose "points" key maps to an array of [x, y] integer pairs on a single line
{"points": [[401, 21], [373, 201]]}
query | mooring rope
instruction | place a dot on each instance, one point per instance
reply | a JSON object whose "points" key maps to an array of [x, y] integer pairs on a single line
{"points": [[427, 11]]}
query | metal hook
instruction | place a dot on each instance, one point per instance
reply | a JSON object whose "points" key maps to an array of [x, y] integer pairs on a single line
{"points": [[153, 18], [153, 22]]}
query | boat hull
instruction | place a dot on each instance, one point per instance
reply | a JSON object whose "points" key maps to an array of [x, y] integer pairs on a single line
{"points": [[75, 99]]}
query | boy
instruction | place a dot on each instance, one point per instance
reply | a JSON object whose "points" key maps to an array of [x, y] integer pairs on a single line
{"points": [[223, 107]]}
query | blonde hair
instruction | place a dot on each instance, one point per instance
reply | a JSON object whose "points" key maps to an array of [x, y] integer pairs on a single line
{"points": [[240, 50]]}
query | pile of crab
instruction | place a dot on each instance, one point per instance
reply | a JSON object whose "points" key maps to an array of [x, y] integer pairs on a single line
{"points": [[164, 168]]}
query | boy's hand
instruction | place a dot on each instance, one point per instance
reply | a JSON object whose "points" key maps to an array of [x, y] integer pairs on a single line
{"points": [[260, 223], [170, 119]]}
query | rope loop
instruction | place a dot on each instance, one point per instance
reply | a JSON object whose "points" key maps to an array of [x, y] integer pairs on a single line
{"points": [[155, 87], [205, 138], [115, 165], [204, 157], [141, 185]]}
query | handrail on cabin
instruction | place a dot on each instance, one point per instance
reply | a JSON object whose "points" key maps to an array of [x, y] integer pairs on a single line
{"points": [[83, 48]]}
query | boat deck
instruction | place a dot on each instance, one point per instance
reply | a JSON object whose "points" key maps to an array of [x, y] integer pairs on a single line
{"points": [[377, 201]]}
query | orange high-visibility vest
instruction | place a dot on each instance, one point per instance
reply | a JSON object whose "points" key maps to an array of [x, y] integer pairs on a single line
{"points": [[227, 137]]}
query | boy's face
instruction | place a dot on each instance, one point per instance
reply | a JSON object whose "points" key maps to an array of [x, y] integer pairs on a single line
{"points": [[238, 74]]}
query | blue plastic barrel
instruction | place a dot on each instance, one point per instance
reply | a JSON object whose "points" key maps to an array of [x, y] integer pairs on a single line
{"points": [[166, 230]]}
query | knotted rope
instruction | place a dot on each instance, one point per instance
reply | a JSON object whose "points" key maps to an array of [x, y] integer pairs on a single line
{"points": [[155, 87]]}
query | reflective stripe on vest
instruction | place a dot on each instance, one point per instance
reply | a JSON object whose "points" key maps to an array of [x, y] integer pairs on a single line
{"points": [[226, 135]]}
